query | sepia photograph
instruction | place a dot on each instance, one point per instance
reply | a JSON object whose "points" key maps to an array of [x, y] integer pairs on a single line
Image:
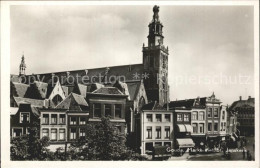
{"points": [[129, 82]]}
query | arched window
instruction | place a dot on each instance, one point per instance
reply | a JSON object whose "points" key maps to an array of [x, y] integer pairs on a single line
{"points": [[57, 99]]}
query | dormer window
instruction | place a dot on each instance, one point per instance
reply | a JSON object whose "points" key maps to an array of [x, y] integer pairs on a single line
{"points": [[25, 117]]}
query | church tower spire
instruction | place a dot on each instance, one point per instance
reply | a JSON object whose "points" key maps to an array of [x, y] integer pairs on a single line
{"points": [[155, 61], [22, 67]]}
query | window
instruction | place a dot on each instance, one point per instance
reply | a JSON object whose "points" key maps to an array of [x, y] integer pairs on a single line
{"points": [[224, 127], [209, 126], [82, 120], [201, 115], [62, 134], [223, 115], [17, 132], [186, 117], [118, 111], [179, 117], [201, 128], [215, 126], [167, 117], [195, 115], [158, 132], [168, 144], [73, 133], [62, 119], [45, 119], [73, 120], [54, 119], [149, 117], [82, 132], [45, 132], [53, 134], [158, 117], [97, 110], [215, 112], [108, 110], [24, 117], [195, 128], [209, 112], [149, 132], [167, 132]]}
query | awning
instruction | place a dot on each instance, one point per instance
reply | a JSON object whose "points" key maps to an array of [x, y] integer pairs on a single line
{"points": [[185, 143], [181, 128], [189, 128]]}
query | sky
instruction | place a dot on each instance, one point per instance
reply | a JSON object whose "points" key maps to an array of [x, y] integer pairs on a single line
{"points": [[210, 47]]}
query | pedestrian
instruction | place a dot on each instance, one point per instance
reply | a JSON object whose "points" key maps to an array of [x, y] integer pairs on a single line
{"points": [[247, 154], [244, 153]]}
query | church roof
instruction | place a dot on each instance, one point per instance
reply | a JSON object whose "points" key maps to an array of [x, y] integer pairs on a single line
{"points": [[73, 102], [123, 72]]}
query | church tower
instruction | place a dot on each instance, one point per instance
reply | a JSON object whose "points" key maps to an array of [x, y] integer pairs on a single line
{"points": [[22, 67], [155, 60]]}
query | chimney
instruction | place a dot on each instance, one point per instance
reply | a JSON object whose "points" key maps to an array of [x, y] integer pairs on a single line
{"points": [[249, 97], [240, 98]]}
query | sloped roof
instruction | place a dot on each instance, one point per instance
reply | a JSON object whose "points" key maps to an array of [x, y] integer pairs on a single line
{"points": [[33, 102], [108, 91], [13, 110], [153, 106], [125, 71], [19, 89], [14, 78], [243, 103], [82, 89], [41, 88], [73, 102], [65, 90], [188, 103]]}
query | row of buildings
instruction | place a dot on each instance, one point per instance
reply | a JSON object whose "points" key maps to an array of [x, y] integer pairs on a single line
{"points": [[138, 104]]}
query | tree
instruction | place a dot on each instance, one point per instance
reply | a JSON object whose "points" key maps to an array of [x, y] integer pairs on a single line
{"points": [[30, 146]]}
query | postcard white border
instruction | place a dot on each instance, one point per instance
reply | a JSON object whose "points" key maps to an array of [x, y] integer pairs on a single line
{"points": [[5, 91]]}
